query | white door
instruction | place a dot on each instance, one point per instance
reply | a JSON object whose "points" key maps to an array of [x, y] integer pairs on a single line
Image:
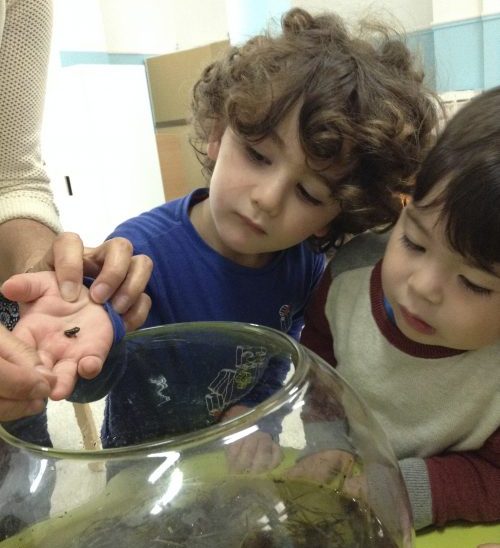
{"points": [[100, 148]]}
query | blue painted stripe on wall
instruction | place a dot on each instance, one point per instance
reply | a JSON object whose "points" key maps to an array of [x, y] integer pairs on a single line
{"points": [[69, 58], [461, 55], [422, 44], [491, 33]]}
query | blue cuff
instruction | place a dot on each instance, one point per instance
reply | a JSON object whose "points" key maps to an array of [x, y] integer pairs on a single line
{"points": [[89, 390], [115, 318]]}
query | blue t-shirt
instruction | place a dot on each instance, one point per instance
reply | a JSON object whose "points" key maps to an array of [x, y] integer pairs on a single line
{"points": [[193, 282]]}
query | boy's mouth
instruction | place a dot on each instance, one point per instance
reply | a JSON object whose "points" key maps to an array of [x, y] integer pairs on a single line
{"points": [[416, 323], [254, 226]]}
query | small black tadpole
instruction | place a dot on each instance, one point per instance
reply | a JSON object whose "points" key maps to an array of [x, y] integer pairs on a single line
{"points": [[72, 332]]}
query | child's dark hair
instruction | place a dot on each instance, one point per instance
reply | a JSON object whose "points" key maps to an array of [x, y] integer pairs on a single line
{"points": [[466, 161], [364, 109]]}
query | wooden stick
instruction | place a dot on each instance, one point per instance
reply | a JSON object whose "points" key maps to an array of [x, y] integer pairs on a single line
{"points": [[90, 437]]}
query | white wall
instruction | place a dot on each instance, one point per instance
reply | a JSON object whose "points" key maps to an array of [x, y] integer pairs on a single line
{"points": [[413, 15], [78, 25], [455, 10], [133, 26], [161, 26]]}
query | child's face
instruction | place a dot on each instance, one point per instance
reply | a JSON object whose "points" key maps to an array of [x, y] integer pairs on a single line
{"points": [[438, 297], [264, 197]]}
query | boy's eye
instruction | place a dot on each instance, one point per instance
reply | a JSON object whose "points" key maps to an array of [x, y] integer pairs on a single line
{"points": [[256, 156], [411, 245], [474, 287], [306, 196]]}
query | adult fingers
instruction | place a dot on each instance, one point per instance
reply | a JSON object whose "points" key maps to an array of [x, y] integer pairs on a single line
{"points": [[24, 288], [65, 257], [89, 367], [109, 264], [66, 373], [19, 382], [135, 282], [24, 383], [21, 373], [13, 409], [137, 314]]}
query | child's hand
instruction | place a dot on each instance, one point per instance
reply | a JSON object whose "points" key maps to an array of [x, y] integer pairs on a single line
{"points": [[323, 466], [47, 323], [255, 453]]}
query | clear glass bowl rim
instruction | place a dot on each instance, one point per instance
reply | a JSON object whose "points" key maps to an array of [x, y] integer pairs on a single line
{"points": [[301, 360]]}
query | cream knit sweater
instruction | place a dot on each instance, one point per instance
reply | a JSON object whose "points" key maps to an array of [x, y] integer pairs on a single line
{"points": [[25, 30]]}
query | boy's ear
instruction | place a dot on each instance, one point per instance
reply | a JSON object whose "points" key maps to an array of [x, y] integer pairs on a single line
{"points": [[213, 148], [214, 140]]}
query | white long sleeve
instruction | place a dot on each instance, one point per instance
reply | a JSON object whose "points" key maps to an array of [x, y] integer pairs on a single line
{"points": [[24, 52]]}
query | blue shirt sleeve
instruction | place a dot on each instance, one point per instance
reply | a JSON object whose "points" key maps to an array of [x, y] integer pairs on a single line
{"points": [[88, 390]]}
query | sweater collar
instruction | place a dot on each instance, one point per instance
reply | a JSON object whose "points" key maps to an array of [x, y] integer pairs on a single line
{"points": [[390, 331]]}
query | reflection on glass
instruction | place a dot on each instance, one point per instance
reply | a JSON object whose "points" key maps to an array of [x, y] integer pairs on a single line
{"points": [[306, 466]]}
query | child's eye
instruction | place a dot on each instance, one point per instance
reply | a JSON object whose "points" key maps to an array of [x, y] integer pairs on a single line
{"points": [[411, 245], [477, 289], [306, 196], [256, 156]]}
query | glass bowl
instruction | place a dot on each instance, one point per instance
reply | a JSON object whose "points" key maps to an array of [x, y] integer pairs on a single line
{"points": [[184, 481]]}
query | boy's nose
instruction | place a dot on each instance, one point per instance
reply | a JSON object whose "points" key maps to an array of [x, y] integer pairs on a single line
{"points": [[268, 197], [426, 284]]}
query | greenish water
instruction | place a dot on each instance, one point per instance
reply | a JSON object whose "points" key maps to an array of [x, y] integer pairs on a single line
{"points": [[238, 512]]}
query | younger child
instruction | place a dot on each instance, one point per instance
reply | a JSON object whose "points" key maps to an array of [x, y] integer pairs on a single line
{"points": [[306, 136], [418, 334]]}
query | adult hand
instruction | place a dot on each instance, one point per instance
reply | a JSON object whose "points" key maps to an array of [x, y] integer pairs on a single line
{"points": [[24, 382], [119, 275], [71, 338]]}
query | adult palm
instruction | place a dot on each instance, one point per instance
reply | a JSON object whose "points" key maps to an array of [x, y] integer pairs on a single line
{"points": [[47, 323]]}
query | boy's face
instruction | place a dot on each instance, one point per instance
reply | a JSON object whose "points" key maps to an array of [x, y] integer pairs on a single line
{"points": [[438, 297], [263, 197]]}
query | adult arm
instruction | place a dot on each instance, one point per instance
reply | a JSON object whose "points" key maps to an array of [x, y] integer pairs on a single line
{"points": [[29, 222], [24, 187], [28, 217]]}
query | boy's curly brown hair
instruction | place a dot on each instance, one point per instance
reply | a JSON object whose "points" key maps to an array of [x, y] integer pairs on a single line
{"points": [[364, 108]]}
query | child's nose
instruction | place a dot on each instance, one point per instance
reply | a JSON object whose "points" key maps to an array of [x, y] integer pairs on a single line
{"points": [[268, 197], [427, 284]]}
